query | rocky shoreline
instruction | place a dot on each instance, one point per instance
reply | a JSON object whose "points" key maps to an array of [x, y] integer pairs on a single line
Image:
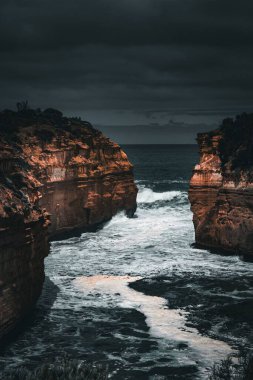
{"points": [[221, 188], [58, 175]]}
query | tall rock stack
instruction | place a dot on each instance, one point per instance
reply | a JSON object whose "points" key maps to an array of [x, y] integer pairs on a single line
{"points": [[57, 175], [221, 188]]}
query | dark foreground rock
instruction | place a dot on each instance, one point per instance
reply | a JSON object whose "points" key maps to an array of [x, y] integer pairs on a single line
{"points": [[57, 175], [221, 188]]}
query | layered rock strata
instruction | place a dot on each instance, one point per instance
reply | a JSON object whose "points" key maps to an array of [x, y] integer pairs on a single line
{"points": [[56, 175], [221, 188]]}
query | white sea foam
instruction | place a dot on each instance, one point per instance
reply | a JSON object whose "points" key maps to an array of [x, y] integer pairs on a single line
{"points": [[163, 322], [147, 195], [169, 181]]}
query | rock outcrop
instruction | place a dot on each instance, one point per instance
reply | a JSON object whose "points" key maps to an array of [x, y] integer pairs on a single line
{"points": [[57, 175], [221, 188]]}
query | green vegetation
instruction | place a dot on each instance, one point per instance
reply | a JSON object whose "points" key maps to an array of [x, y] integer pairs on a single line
{"points": [[228, 370], [61, 369], [237, 143], [12, 121]]}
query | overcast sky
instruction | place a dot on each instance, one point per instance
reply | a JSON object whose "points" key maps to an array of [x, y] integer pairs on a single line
{"points": [[144, 71]]}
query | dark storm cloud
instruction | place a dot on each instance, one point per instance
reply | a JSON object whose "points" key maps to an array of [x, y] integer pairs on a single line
{"points": [[45, 23], [97, 57]]}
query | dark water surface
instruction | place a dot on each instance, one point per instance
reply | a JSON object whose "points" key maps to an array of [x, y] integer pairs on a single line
{"points": [[136, 295]]}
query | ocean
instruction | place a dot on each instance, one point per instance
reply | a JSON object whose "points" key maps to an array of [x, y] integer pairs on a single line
{"points": [[137, 296]]}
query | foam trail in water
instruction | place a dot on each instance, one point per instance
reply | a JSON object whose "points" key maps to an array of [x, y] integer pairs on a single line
{"points": [[163, 322]]}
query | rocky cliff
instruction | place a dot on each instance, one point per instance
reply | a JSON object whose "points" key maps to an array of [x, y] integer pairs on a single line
{"points": [[221, 187], [57, 175]]}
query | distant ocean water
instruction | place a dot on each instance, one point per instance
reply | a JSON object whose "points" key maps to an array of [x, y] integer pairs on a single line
{"points": [[136, 295]]}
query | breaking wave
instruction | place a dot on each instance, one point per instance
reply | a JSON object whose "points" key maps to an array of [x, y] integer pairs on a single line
{"points": [[147, 195]]}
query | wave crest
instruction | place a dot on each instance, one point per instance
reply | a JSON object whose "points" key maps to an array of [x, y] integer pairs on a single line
{"points": [[147, 195]]}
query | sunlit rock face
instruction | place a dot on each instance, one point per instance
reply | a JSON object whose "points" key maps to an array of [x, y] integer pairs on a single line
{"points": [[85, 177], [56, 175], [221, 187]]}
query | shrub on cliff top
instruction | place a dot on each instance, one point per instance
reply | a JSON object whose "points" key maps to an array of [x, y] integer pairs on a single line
{"points": [[61, 369], [22, 106], [11, 122], [53, 113]]}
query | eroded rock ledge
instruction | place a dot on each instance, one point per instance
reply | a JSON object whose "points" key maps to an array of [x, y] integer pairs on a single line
{"points": [[56, 174], [221, 188]]}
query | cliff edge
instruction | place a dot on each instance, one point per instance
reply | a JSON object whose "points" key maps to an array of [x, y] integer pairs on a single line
{"points": [[57, 175], [221, 187]]}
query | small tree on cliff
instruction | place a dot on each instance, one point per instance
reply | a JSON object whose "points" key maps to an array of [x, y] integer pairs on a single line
{"points": [[22, 106]]}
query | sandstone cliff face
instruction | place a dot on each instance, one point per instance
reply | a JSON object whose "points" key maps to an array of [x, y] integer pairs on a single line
{"points": [[85, 178], [56, 175], [221, 188]]}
